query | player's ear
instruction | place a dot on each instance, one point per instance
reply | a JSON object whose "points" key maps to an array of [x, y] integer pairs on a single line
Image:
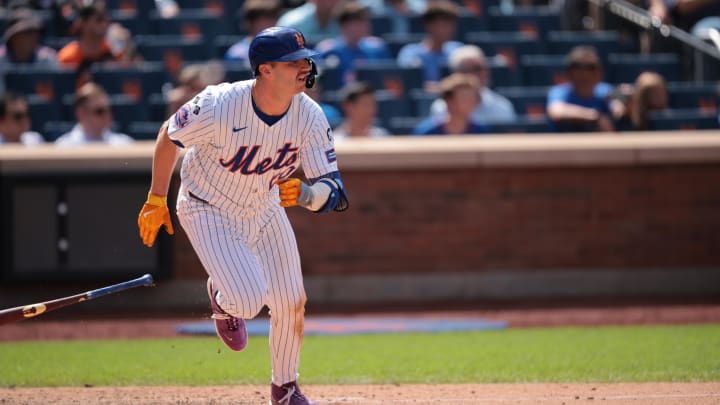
{"points": [[265, 69]]}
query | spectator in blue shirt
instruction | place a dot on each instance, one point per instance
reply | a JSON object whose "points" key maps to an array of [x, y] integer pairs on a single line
{"points": [[581, 105], [398, 11], [461, 93], [355, 44], [314, 19], [440, 23], [257, 15]]}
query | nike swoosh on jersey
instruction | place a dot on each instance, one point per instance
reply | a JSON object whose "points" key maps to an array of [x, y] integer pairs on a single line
{"points": [[238, 129]]}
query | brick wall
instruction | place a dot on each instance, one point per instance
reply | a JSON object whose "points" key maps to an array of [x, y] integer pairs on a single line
{"points": [[479, 219]]}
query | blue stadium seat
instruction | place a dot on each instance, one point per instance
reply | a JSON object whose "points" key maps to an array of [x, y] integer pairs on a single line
{"points": [[189, 23], [51, 130], [704, 96], [561, 42], [389, 106], [509, 45], [528, 101], [420, 101], [136, 81], [41, 111], [543, 70], [466, 22], [404, 125], [329, 77], [157, 107], [395, 41], [173, 50], [677, 119], [389, 76], [50, 84], [380, 25], [222, 43], [534, 21], [523, 124], [625, 68], [144, 130], [237, 71]]}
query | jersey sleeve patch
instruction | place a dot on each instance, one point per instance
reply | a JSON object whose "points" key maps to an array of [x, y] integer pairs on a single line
{"points": [[182, 116], [331, 156]]}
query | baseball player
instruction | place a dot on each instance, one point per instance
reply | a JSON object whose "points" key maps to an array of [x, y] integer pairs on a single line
{"points": [[243, 140]]}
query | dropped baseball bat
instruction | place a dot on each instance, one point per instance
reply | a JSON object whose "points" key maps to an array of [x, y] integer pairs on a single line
{"points": [[29, 311]]}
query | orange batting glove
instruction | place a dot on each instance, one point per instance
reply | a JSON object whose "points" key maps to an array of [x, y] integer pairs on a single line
{"points": [[153, 215], [290, 190]]}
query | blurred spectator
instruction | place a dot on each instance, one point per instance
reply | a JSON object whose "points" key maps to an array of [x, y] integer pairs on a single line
{"points": [[22, 41], [580, 105], [15, 121], [21, 44], [650, 94], [355, 44], [257, 15], [360, 108], [93, 46], [461, 93], [493, 107], [440, 23], [332, 114], [167, 8], [398, 11], [93, 113], [314, 19], [684, 14], [191, 81]]}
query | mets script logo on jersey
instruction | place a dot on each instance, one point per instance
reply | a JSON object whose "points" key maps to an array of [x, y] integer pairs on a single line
{"points": [[300, 40], [182, 116], [247, 162]]}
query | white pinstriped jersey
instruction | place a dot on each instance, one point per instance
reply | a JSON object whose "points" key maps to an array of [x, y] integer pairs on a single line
{"points": [[233, 157]]}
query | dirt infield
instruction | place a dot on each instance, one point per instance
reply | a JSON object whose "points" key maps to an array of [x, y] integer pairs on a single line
{"points": [[636, 394], [624, 393]]}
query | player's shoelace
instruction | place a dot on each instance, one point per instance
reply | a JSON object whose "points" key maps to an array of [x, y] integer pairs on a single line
{"points": [[232, 323], [291, 393]]}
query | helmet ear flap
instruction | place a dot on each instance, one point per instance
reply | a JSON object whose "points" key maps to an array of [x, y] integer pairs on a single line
{"points": [[312, 77]]}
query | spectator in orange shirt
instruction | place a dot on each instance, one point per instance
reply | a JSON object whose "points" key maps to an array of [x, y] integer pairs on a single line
{"points": [[92, 45]]}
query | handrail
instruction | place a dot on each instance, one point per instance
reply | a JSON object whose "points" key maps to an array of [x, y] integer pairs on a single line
{"points": [[642, 18]]}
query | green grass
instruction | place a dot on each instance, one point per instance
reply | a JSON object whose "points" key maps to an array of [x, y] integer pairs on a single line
{"points": [[608, 354]]}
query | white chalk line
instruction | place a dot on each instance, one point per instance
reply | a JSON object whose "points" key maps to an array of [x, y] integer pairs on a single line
{"points": [[516, 399]]}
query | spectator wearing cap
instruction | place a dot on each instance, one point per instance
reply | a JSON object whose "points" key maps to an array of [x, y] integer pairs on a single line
{"points": [[22, 41], [440, 23], [92, 46], [314, 19], [15, 121], [581, 104], [461, 93], [355, 44], [493, 107], [360, 108], [94, 117], [257, 15]]}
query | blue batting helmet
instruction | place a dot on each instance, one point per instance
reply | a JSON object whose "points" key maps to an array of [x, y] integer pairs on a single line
{"points": [[278, 44]]}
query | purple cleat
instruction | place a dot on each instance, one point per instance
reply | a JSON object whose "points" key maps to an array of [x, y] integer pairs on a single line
{"points": [[288, 394], [231, 330]]}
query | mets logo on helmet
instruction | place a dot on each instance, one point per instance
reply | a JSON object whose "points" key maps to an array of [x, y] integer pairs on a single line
{"points": [[300, 40]]}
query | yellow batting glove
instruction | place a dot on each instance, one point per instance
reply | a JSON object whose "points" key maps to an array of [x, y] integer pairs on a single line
{"points": [[290, 190], [153, 215]]}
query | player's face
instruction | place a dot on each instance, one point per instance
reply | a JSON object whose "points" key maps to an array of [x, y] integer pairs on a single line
{"points": [[291, 75]]}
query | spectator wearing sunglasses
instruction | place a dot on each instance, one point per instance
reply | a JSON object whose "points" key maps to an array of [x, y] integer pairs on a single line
{"points": [[581, 104], [15, 121], [94, 117]]}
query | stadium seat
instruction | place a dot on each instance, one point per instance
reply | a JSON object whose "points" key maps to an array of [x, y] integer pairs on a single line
{"points": [[509, 45], [189, 23], [380, 25], [389, 106], [157, 107], [528, 101], [625, 68], [561, 42], [404, 125], [533, 21], [222, 43], [173, 50], [523, 124], [41, 111], [143, 130], [395, 41], [678, 119], [704, 96], [51, 130], [389, 76], [543, 70], [420, 101], [237, 71], [135, 81], [466, 22], [48, 83]]}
